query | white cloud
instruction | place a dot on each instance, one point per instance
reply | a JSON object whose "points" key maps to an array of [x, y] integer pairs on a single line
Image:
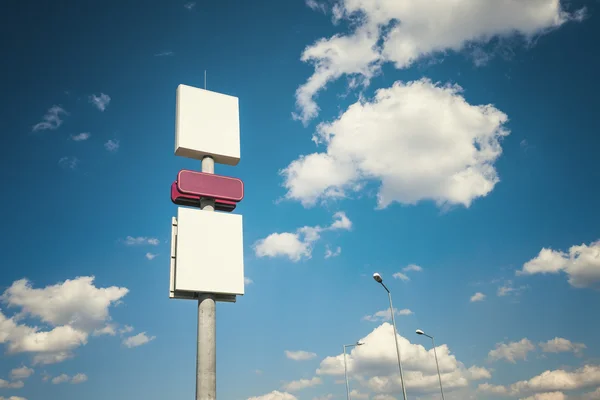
{"points": [[492, 389], [412, 30], [12, 398], [68, 162], [109, 329], [300, 384], [581, 264], [377, 360], [400, 275], [101, 102], [275, 395], [477, 297], [73, 308], [164, 54], [355, 394], [508, 289], [79, 378], [300, 355], [11, 385], [81, 137], [385, 315], [547, 396], [298, 245], [512, 352], [140, 240], [51, 120], [412, 268], [585, 377], [151, 256], [248, 281], [330, 254], [595, 395], [324, 397], [419, 140], [21, 373], [138, 340], [75, 302], [315, 5], [190, 5], [476, 373], [112, 145], [561, 345], [126, 329], [64, 378]]}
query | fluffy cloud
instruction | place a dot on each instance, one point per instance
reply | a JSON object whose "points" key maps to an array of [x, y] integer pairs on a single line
{"points": [[300, 384], [581, 264], [298, 245], [547, 396], [275, 395], [101, 102], [12, 398], [419, 140], [377, 359], [248, 281], [112, 145], [477, 297], [140, 240], [332, 253], [559, 380], [300, 355], [408, 268], [78, 378], [21, 373], [508, 289], [512, 351], [151, 256], [137, 340], [561, 345], [404, 32], [11, 385], [51, 120], [68, 162], [385, 315], [492, 389], [73, 309], [81, 137]]}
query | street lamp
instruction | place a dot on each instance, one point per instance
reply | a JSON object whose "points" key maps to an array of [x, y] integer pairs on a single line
{"points": [[346, 368], [379, 279], [420, 332]]}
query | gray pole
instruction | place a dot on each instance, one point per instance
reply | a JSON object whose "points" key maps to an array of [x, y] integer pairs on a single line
{"points": [[346, 375], [206, 355], [438, 366], [396, 339]]}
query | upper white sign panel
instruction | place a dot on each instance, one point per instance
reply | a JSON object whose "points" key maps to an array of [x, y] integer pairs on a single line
{"points": [[207, 124]]}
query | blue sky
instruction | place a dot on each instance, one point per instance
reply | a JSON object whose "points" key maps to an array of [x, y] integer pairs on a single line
{"points": [[451, 147]]}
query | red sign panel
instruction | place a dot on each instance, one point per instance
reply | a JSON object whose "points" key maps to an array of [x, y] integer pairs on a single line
{"points": [[210, 185], [194, 201]]}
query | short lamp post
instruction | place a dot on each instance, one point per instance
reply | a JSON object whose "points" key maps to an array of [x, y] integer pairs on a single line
{"points": [[346, 368], [420, 332], [379, 280]]}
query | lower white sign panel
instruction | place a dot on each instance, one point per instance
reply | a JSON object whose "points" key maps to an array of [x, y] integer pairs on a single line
{"points": [[208, 252]]}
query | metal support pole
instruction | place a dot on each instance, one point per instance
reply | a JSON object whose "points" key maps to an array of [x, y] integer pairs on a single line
{"points": [[396, 340], [206, 355], [438, 367], [346, 375]]}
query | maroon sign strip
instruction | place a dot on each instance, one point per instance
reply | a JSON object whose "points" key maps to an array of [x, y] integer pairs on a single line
{"points": [[210, 185], [194, 201]]}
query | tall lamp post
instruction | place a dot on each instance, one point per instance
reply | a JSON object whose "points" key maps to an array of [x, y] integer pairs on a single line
{"points": [[346, 368], [379, 280], [420, 332]]}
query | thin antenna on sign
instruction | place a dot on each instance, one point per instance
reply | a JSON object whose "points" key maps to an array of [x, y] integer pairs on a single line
{"points": [[204, 79]]}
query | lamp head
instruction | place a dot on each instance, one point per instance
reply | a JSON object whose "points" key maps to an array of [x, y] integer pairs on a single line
{"points": [[377, 277], [420, 332]]}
